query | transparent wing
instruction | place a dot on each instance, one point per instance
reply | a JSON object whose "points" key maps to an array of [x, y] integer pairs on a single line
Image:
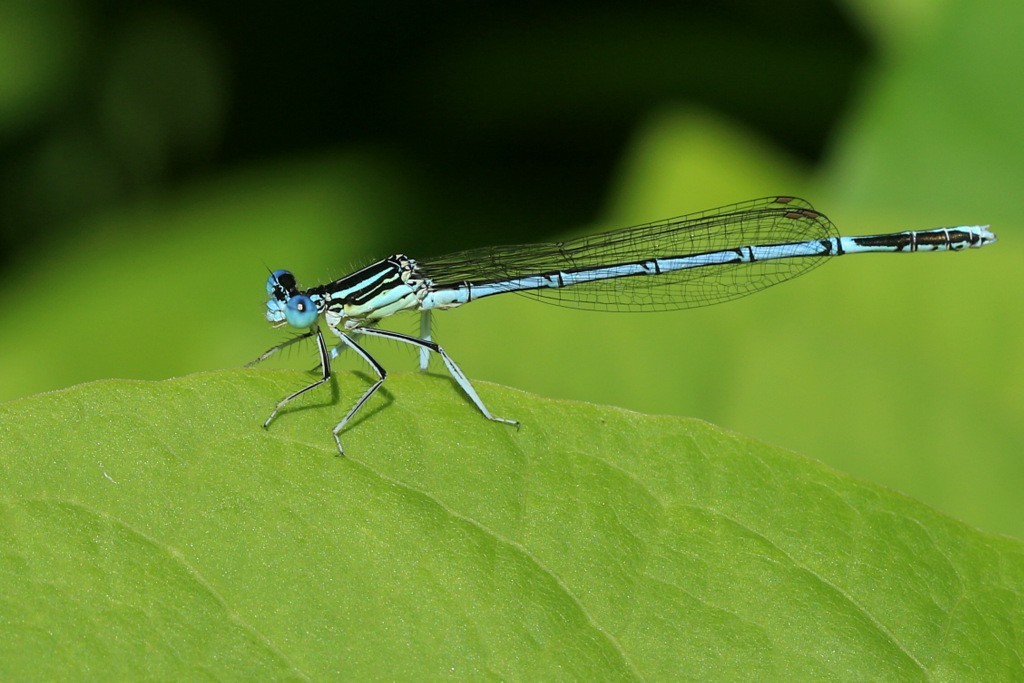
{"points": [[768, 221]]}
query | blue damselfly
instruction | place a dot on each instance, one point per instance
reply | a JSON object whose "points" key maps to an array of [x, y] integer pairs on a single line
{"points": [[695, 260]]}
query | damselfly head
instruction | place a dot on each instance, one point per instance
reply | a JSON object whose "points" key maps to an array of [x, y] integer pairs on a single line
{"points": [[286, 304]]}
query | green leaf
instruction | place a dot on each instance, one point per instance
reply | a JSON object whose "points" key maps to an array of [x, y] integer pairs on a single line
{"points": [[154, 529]]}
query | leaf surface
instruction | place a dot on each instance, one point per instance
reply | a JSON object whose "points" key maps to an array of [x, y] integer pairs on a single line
{"points": [[153, 528]]}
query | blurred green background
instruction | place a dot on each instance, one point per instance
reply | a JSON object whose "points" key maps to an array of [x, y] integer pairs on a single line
{"points": [[154, 159]]}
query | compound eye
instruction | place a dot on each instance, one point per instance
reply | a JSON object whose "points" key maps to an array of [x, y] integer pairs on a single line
{"points": [[300, 311], [280, 278]]}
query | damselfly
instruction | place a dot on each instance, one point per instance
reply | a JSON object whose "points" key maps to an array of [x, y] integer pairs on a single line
{"points": [[696, 260]]}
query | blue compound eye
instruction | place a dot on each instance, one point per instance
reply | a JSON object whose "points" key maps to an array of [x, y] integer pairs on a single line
{"points": [[300, 311], [282, 278]]}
